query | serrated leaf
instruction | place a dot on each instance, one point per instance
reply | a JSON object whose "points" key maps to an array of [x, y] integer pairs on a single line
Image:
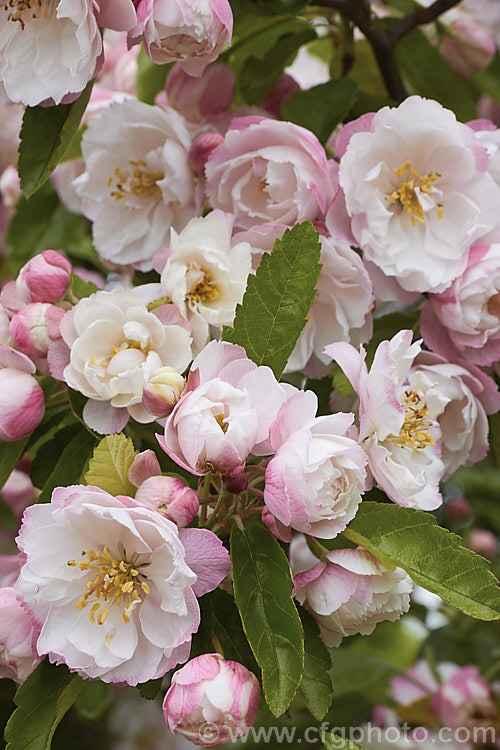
{"points": [[322, 107], [69, 464], [46, 134], [10, 453], [316, 685], [109, 465], [42, 700], [150, 689], [431, 555], [277, 299], [263, 595]]}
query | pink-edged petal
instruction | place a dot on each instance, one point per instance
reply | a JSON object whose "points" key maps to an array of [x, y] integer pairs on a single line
{"points": [[207, 557], [104, 418]]}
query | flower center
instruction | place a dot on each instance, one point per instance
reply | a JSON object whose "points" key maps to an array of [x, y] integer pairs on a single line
{"points": [[414, 193], [206, 290], [17, 8], [219, 418], [414, 432], [142, 183], [116, 582]]}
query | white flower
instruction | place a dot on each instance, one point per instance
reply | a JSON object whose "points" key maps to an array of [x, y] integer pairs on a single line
{"points": [[416, 190], [114, 345], [138, 182], [204, 276]]}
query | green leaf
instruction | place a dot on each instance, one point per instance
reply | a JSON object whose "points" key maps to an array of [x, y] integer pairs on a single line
{"points": [[78, 288], [150, 77], [42, 465], [263, 595], [494, 420], [431, 555], [94, 698], [108, 468], [361, 673], [340, 382], [316, 685], [428, 74], [150, 689], [277, 299], [42, 700], [10, 453], [46, 134], [69, 464], [322, 107], [333, 741], [74, 150]]}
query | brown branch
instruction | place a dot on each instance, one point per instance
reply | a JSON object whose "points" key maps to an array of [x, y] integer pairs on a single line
{"points": [[418, 17]]}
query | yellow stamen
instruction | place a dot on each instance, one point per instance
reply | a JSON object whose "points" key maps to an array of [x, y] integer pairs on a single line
{"points": [[406, 196], [17, 9], [414, 432], [219, 418], [142, 183], [206, 290]]}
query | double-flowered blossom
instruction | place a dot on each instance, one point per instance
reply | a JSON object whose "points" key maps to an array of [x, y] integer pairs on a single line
{"points": [[17, 633], [137, 182], [269, 171], [110, 346], [316, 478], [465, 699], [22, 404], [211, 689], [36, 327], [225, 413], [191, 32], [398, 428], [113, 584], [417, 190], [349, 592]]}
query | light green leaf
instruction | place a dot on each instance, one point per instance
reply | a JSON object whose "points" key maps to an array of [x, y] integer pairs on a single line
{"points": [[108, 468], [322, 107], [78, 288], [263, 595], [42, 700], [277, 299], [68, 464], [431, 555], [46, 134], [316, 685], [150, 77]]}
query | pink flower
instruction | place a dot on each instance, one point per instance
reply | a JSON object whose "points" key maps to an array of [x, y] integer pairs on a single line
{"points": [[211, 692], [191, 32], [36, 327], [465, 699], [113, 584], [269, 171], [18, 658], [22, 403], [464, 321], [350, 592], [198, 99], [171, 497], [397, 419], [225, 413], [467, 48], [315, 480], [44, 278]]}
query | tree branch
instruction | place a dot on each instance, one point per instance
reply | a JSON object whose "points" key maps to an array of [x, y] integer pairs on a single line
{"points": [[418, 17]]}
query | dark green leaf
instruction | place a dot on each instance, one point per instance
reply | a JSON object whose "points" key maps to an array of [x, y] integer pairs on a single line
{"points": [[68, 465], [431, 555], [277, 299], [7, 519], [150, 77], [149, 690], [322, 107], [42, 465], [10, 453], [109, 465], [94, 698], [263, 595], [46, 134], [74, 150], [316, 685], [494, 420], [428, 74], [42, 700]]}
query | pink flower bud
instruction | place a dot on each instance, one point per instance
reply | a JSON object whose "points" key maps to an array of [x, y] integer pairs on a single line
{"points": [[236, 482], [21, 399], [36, 327], [483, 542], [44, 278], [162, 391], [211, 701], [468, 48], [200, 150], [171, 497], [197, 98], [18, 492], [458, 507], [282, 91]]}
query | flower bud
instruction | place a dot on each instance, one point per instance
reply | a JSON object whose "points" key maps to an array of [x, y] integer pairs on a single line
{"points": [[198, 98], [468, 48], [22, 403], [458, 507], [483, 542], [200, 150], [211, 701], [18, 492], [171, 497], [36, 327], [44, 278], [236, 482], [162, 391]]}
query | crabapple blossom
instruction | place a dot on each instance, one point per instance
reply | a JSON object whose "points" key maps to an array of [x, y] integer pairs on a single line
{"points": [[467, 47], [269, 171], [22, 403], [417, 191], [162, 391], [398, 409], [464, 699], [171, 497], [204, 276], [4, 326], [191, 32], [36, 327], [18, 492], [225, 413], [349, 592], [111, 345], [44, 278], [315, 480], [211, 689], [17, 632], [140, 625], [138, 182], [198, 99], [464, 321]]}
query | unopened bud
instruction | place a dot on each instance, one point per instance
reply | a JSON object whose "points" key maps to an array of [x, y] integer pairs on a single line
{"points": [[162, 391], [36, 327], [44, 278], [468, 48], [171, 497], [458, 507], [483, 542]]}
